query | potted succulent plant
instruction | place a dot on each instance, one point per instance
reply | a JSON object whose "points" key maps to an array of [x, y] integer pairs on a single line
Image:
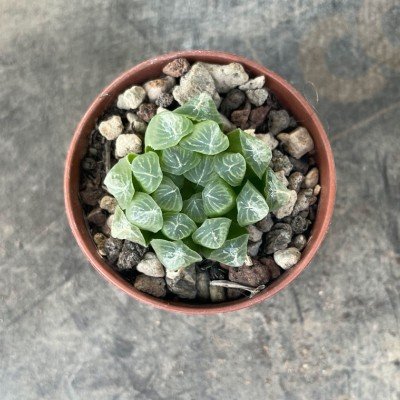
{"points": [[190, 184]]}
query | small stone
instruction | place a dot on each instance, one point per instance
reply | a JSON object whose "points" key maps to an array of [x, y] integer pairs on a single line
{"points": [[317, 190], [136, 124], [182, 282], [203, 285], [295, 180], [257, 97], [128, 143], [278, 121], [305, 199], [311, 178], [88, 164], [265, 224], [226, 125], [132, 98], [109, 220], [299, 224], [287, 258], [299, 242], [233, 294], [96, 217], [255, 234], [151, 266], [268, 139], [281, 176], [130, 255], [233, 100], [256, 83], [227, 77], [217, 294], [312, 213], [298, 142], [112, 248], [300, 165], [253, 276], [164, 100], [155, 88], [281, 162], [100, 240], [108, 203], [251, 132], [253, 248], [111, 128], [240, 118], [147, 111], [151, 285], [217, 272], [177, 67], [278, 238], [273, 268], [196, 81], [91, 195], [248, 262], [287, 209], [258, 116]]}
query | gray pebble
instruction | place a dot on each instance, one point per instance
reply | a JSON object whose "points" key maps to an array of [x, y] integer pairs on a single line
{"points": [[281, 162], [164, 100], [278, 238], [150, 285], [112, 248], [278, 121], [299, 224], [255, 234], [287, 209], [217, 294], [233, 100], [182, 282], [203, 285], [299, 242], [265, 224], [295, 180], [287, 258], [253, 248], [305, 199], [226, 124], [300, 165], [130, 255], [257, 97]]}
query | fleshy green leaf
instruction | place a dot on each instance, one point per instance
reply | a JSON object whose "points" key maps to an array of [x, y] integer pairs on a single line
{"points": [[206, 138], [251, 205], [174, 255], [193, 207], [200, 108], [176, 160], [166, 130], [144, 212], [256, 153], [231, 167], [218, 198], [212, 233], [168, 196], [146, 169], [177, 226], [121, 228], [202, 172], [276, 193], [119, 182], [233, 252], [179, 180]]}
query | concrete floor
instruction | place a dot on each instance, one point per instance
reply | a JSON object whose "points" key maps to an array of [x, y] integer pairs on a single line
{"points": [[67, 334]]}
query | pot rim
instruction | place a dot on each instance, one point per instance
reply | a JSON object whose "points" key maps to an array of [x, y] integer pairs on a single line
{"points": [[326, 200]]}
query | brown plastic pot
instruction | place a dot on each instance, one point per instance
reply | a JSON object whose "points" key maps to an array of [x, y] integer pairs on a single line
{"points": [[150, 69]]}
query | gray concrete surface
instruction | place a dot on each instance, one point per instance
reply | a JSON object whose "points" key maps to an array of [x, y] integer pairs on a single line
{"points": [[67, 334]]}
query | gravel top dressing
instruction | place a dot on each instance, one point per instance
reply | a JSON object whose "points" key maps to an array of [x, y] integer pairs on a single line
{"points": [[198, 186]]}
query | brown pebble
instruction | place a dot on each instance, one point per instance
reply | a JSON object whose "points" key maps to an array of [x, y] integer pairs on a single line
{"points": [[177, 67], [255, 275], [97, 217], [91, 196], [240, 118], [150, 285], [147, 111], [100, 240], [258, 116]]}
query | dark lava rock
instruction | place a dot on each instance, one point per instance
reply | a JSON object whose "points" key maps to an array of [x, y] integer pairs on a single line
{"points": [[149, 284], [265, 224], [240, 118], [278, 121], [97, 217], [299, 224], [300, 165], [255, 275], [164, 100], [278, 238], [91, 195], [130, 255], [232, 101], [147, 111], [112, 248]]}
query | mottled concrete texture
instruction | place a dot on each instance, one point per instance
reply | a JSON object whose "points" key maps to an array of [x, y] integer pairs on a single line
{"points": [[67, 334]]}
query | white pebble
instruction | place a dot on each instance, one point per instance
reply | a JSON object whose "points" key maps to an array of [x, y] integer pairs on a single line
{"points": [[268, 139], [151, 266], [256, 83], [132, 98], [108, 203], [287, 209], [127, 143], [111, 128], [257, 96], [311, 179], [287, 258]]}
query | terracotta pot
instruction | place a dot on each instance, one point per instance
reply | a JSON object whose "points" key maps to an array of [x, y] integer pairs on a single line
{"points": [[150, 69]]}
